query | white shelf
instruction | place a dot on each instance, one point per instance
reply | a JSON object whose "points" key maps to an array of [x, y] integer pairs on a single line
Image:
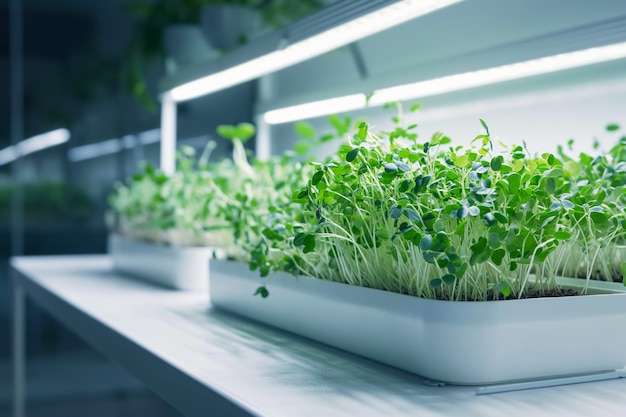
{"points": [[205, 362]]}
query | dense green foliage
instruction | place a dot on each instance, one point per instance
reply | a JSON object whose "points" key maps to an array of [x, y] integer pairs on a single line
{"points": [[395, 212], [458, 223]]}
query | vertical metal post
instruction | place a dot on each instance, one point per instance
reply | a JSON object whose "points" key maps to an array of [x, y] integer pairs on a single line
{"points": [[19, 351], [17, 123], [265, 93], [17, 217], [168, 134], [263, 139]]}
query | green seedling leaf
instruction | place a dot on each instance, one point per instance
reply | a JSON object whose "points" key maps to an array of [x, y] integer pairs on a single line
{"points": [[351, 156], [415, 107], [482, 122], [489, 219], [262, 291], [566, 204], [554, 173], [551, 185], [390, 167], [242, 131], [562, 235], [612, 127], [503, 288], [362, 131], [497, 256], [500, 217], [395, 212], [598, 217], [461, 161], [299, 239], [317, 177], [301, 147], [623, 269], [305, 130], [402, 166], [480, 245], [272, 234], [436, 283], [404, 186], [411, 214], [496, 163], [426, 242], [449, 279], [514, 182]]}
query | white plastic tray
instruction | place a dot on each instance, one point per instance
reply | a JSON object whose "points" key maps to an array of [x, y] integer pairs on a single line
{"points": [[468, 343], [183, 268]]}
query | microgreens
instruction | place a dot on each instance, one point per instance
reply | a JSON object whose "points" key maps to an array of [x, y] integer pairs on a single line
{"points": [[454, 223]]}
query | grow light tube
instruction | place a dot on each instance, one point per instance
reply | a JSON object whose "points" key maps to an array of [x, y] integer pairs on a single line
{"points": [[462, 81], [500, 74], [351, 31], [316, 108], [111, 146], [34, 144]]}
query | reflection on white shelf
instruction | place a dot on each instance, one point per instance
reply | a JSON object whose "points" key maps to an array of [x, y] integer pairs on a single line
{"points": [[457, 82], [351, 31], [34, 144]]}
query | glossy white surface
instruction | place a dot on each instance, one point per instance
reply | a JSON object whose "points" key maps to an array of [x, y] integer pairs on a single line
{"points": [[205, 362]]}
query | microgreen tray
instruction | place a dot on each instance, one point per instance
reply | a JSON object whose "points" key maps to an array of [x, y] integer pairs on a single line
{"points": [[183, 268], [468, 343]]}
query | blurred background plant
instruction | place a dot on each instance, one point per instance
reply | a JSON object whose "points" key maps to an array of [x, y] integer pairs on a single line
{"points": [[147, 46]]}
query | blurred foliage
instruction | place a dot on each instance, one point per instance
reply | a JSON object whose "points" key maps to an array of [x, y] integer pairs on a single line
{"points": [[49, 203], [147, 44]]}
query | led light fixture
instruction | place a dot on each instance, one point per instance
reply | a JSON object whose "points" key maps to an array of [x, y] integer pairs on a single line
{"points": [[34, 144], [455, 82], [111, 146], [316, 108], [500, 74], [352, 30]]}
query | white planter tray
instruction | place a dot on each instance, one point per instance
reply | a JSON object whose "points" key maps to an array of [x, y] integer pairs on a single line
{"points": [[182, 268], [466, 343]]}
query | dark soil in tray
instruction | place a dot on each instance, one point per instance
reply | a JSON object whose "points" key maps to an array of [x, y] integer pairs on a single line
{"points": [[529, 292]]}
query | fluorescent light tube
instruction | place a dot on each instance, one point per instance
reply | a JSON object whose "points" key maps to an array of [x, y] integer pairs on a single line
{"points": [[43, 141], [94, 150], [500, 74], [34, 144], [149, 136], [315, 109], [7, 155], [455, 82], [361, 27], [111, 146]]}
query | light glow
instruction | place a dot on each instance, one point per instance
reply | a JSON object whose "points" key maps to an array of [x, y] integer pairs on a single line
{"points": [[316, 108], [500, 74], [34, 144], [111, 146], [94, 150], [344, 34], [459, 82]]}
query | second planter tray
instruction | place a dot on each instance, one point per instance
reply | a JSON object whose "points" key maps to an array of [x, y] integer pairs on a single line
{"points": [[182, 268]]}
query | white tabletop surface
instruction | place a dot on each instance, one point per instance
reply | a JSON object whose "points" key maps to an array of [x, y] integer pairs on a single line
{"points": [[208, 363]]}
